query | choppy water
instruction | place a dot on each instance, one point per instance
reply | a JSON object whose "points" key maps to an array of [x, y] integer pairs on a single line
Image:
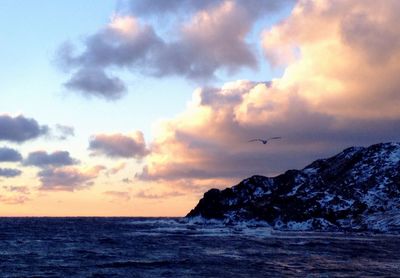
{"points": [[165, 247]]}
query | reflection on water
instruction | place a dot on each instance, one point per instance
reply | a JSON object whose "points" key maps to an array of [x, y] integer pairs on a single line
{"points": [[166, 247]]}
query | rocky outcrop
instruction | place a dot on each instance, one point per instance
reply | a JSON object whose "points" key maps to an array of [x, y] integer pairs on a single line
{"points": [[357, 190]]}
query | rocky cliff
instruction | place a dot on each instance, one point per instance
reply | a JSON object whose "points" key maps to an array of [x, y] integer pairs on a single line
{"points": [[356, 190]]}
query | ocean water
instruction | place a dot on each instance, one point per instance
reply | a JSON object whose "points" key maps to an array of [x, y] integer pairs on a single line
{"points": [[171, 247]]}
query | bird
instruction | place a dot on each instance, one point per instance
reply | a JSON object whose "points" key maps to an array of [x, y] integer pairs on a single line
{"points": [[264, 141]]}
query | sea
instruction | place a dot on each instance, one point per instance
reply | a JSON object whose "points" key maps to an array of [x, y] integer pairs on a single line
{"points": [[177, 247]]}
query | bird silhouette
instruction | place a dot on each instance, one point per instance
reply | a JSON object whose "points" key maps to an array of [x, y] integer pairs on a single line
{"points": [[264, 141]]}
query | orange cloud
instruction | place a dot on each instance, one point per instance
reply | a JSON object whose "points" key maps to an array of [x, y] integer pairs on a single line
{"points": [[348, 54]]}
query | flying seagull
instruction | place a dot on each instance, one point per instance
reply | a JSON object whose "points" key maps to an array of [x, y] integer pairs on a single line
{"points": [[264, 141]]}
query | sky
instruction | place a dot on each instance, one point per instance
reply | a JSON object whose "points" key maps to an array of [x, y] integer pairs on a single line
{"points": [[136, 108]]}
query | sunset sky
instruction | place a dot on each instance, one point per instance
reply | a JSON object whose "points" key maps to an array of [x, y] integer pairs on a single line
{"points": [[137, 107]]}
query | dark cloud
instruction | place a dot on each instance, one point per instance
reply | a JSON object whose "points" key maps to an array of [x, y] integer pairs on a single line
{"points": [[44, 159], [67, 178], [20, 129], [109, 47], [95, 82], [212, 38], [9, 155], [9, 173], [207, 44], [118, 145], [124, 42]]}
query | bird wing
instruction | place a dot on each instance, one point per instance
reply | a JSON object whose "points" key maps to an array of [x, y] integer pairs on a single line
{"points": [[274, 138], [254, 140]]}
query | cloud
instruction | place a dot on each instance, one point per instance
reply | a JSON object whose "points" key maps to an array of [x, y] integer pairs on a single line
{"points": [[198, 54], [9, 172], [340, 88], [172, 6], [44, 159], [95, 82], [116, 169], [209, 139], [118, 145], [126, 180], [17, 189], [342, 67], [147, 195], [212, 38], [118, 195], [123, 43], [63, 132], [159, 7], [14, 200], [15, 195], [68, 178], [60, 132], [20, 129], [9, 155]]}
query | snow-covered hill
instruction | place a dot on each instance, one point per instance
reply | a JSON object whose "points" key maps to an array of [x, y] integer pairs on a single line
{"points": [[357, 189]]}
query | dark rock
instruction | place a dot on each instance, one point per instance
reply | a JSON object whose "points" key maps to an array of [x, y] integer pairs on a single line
{"points": [[357, 189]]}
